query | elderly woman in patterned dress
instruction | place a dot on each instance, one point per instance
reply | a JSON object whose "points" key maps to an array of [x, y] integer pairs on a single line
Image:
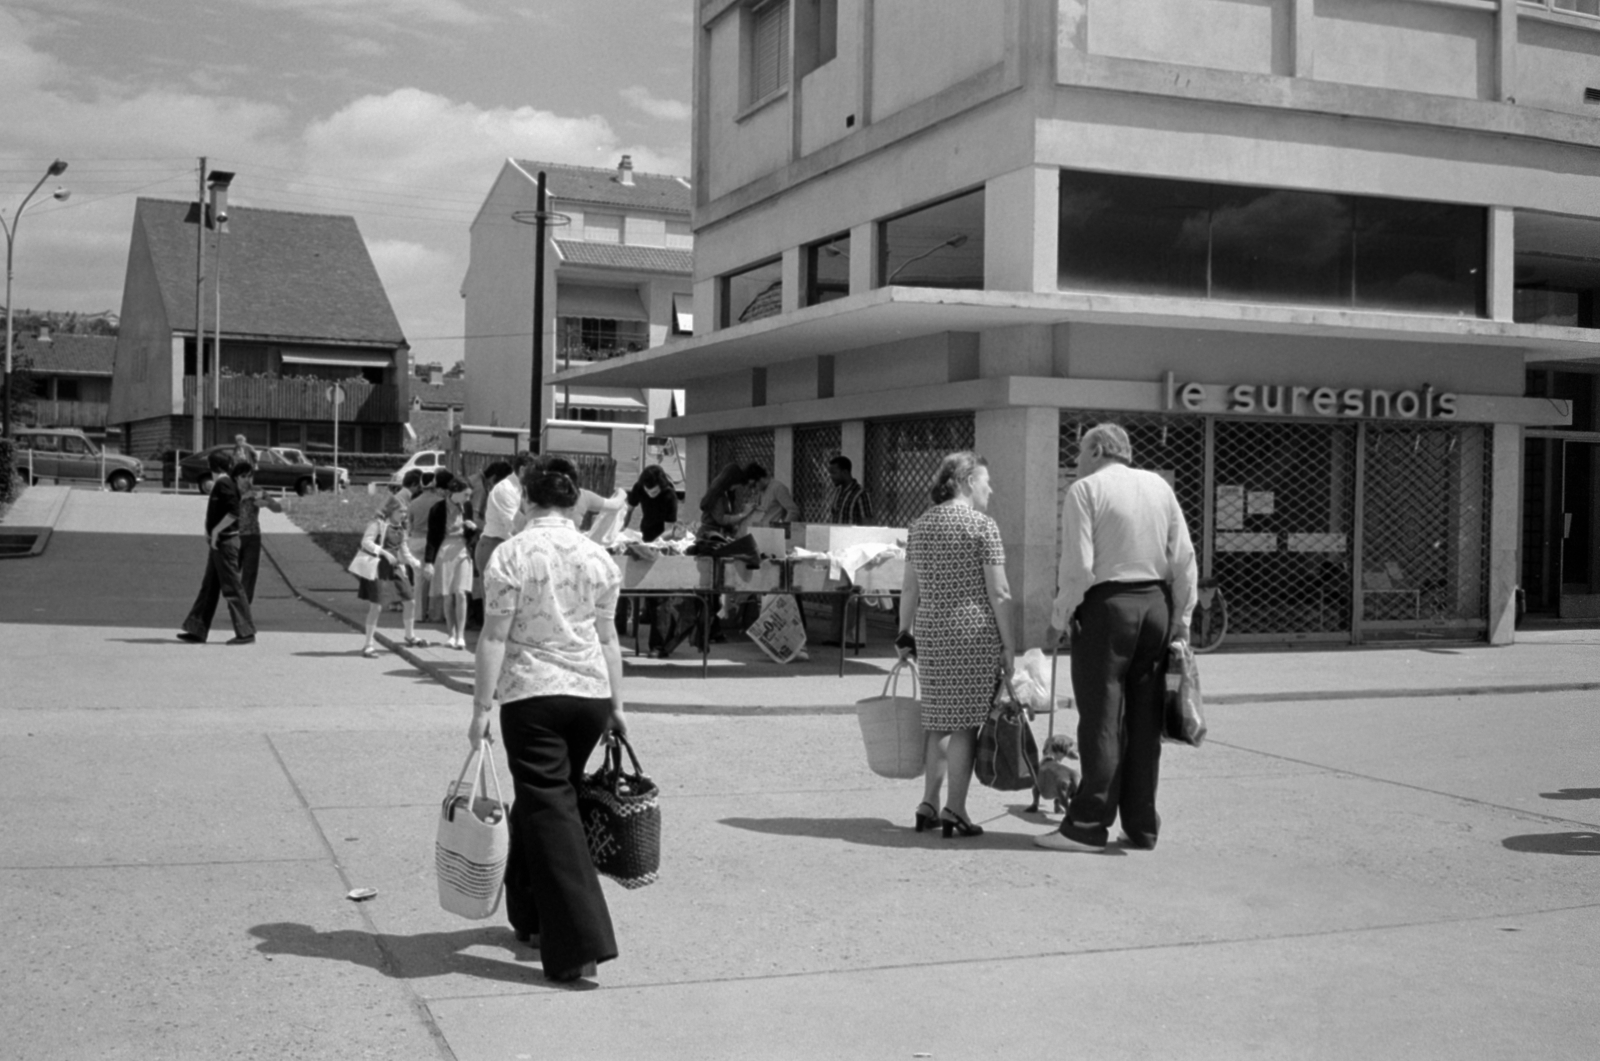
{"points": [[956, 604]]}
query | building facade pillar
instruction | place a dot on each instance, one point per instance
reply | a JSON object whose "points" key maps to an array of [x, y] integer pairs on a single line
{"points": [[1505, 527], [696, 475], [1020, 445]]}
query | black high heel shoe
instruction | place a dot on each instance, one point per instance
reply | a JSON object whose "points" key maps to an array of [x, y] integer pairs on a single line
{"points": [[955, 823], [926, 822]]}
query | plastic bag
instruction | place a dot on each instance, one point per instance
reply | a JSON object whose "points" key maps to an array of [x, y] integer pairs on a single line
{"points": [[1032, 680], [1182, 721]]}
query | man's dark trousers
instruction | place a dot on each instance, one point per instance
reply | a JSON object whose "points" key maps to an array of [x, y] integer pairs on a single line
{"points": [[1119, 671], [222, 580]]}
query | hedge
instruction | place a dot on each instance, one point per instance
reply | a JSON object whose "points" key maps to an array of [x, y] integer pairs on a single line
{"points": [[8, 471]]}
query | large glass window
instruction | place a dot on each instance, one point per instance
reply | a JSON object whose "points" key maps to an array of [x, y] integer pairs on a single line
{"points": [[828, 269], [935, 246], [599, 338], [753, 293], [1146, 236], [1557, 269]]}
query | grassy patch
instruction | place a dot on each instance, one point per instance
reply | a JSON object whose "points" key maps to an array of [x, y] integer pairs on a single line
{"points": [[335, 522]]}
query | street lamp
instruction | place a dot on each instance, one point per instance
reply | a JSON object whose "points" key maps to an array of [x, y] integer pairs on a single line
{"points": [[57, 168], [542, 218], [953, 241]]}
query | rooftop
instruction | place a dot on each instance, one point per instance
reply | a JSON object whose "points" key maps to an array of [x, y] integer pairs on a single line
{"points": [[625, 256], [69, 354], [451, 394], [285, 275], [587, 184]]}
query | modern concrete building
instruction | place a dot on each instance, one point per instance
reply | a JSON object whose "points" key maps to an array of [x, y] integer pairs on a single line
{"points": [[617, 280], [302, 309], [1332, 262]]}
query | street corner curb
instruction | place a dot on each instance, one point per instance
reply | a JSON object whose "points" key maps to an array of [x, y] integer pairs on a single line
{"points": [[1316, 695], [41, 531], [426, 666]]}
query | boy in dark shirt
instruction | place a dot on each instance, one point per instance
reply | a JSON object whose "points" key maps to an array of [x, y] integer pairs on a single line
{"points": [[222, 579]]}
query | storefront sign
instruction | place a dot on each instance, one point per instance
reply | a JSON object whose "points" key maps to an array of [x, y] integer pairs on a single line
{"points": [[1277, 400]]}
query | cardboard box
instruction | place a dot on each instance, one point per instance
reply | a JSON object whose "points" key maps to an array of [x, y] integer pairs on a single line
{"points": [[665, 572], [811, 576], [737, 577], [770, 541], [831, 538], [886, 576]]}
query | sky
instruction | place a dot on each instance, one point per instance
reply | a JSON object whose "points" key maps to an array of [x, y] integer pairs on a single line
{"points": [[397, 112]]}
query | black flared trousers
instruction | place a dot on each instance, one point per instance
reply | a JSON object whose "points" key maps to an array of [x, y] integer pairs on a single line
{"points": [[552, 889], [1119, 672], [223, 581]]}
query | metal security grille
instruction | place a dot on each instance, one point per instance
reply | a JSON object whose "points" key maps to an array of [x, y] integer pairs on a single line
{"points": [[814, 446], [1283, 525], [741, 447], [1174, 446], [902, 458], [1425, 527]]}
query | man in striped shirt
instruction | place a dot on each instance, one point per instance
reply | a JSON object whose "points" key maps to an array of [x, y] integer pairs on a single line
{"points": [[848, 503]]}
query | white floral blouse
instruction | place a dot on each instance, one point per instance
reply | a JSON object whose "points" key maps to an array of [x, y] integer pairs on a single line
{"points": [[557, 586]]}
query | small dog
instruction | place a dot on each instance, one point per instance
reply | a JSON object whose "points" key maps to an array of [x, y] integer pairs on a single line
{"points": [[1059, 773]]}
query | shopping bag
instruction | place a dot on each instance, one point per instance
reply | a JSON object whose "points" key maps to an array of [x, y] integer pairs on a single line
{"points": [[891, 727], [1008, 756], [1181, 718], [779, 630], [621, 815], [473, 840]]}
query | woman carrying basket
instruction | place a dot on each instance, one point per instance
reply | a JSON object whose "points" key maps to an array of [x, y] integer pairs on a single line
{"points": [[956, 602], [548, 652]]}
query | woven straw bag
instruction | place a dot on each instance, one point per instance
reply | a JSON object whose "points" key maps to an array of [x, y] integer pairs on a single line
{"points": [[891, 727], [621, 815], [474, 840]]}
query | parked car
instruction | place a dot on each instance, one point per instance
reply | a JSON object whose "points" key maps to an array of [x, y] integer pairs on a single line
{"points": [[272, 471], [297, 456], [66, 453], [426, 461]]}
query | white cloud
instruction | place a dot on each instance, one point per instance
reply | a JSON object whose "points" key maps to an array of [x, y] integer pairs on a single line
{"points": [[669, 110]]}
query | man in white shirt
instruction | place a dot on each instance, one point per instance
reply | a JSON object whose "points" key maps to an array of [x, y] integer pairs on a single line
{"points": [[1126, 591]]}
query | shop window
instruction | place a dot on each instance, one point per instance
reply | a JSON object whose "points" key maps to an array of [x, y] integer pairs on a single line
{"points": [[1557, 270], [902, 457], [935, 246], [828, 269], [1146, 236], [767, 50], [752, 293]]}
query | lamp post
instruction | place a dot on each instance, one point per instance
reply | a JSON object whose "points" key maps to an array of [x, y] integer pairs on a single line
{"points": [[57, 168], [953, 241], [541, 219], [217, 218]]}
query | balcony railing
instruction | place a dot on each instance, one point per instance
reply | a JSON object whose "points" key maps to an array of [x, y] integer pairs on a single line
{"points": [[252, 398], [47, 413], [583, 352]]}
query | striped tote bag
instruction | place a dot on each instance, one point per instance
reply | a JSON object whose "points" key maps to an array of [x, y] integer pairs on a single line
{"points": [[474, 839]]}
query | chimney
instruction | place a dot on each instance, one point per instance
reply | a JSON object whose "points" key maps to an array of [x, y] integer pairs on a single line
{"points": [[625, 171]]}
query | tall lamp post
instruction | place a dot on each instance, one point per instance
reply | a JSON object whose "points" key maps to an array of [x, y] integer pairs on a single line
{"points": [[541, 219], [57, 168]]}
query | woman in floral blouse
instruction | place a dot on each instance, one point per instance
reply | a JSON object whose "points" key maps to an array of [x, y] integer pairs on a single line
{"points": [[548, 652]]}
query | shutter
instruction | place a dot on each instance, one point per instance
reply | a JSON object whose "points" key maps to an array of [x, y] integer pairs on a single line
{"points": [[769, 65]]}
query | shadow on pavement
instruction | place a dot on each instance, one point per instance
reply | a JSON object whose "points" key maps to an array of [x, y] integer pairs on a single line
{"points": [[872, 832], [1572, 793], [1554, 843], [406, 957]]}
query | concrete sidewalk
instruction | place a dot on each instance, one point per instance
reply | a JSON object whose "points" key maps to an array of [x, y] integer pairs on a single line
{"points": [[1398, 877]]}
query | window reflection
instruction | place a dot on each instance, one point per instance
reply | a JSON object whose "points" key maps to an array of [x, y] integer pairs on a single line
{"points": [[937, 246], [753, 293], [828, 269], [1147, 236]]}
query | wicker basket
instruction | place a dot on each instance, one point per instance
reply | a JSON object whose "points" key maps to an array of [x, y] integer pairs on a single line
{"points": [[891, 727]]}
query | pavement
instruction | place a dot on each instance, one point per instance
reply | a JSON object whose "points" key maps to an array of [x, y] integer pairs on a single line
{"points": [[1379, 852]]}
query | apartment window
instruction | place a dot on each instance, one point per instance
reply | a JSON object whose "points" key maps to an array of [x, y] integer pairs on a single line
{"points": [[679, 238], [602, 228], [1557, 269], [816, 34], [940, 245], [599, 338], [752, 293], [1140, 235], [828, 269], [768, 49]]}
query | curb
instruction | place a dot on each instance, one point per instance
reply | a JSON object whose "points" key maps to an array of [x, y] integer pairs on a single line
{"points": [[41, 531], [398, 648]]}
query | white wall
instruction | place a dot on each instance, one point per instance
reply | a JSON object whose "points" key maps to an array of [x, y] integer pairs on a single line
{"points": [[920, 47]]}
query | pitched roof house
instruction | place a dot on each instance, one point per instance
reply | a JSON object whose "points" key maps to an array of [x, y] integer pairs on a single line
{"points": [[71, 378], [301, 308], [617, 280]]}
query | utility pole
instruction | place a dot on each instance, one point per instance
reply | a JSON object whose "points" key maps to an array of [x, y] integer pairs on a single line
{"points": [[199, 314], [534, 404], [219, 182]]}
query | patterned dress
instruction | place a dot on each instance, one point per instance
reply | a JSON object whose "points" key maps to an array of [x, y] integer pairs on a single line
{"points": [[958, 641]]}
